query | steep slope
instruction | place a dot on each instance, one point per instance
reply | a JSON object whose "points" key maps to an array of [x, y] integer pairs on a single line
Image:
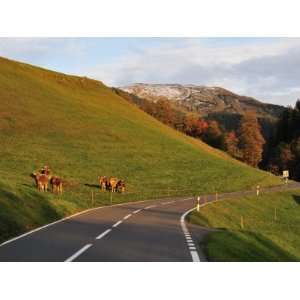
{"points": [[81, 129]]}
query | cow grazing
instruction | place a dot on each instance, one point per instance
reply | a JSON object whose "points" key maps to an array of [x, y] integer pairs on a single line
{"points": [[112, 184], [57, 184], [103, 183], [41, 181], [121, 186]]}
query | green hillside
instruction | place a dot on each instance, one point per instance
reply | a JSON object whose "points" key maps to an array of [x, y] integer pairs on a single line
{"points": [[271, 228], [81, 129]]}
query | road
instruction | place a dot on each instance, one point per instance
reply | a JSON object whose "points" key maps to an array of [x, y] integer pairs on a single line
{"points": [[136, 232]]}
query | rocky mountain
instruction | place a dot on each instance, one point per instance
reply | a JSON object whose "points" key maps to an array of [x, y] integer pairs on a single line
{"points": [[203, 100]]}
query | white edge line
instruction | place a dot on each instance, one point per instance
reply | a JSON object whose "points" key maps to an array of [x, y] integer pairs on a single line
{"points": [[100, 236], [75, 215], [75, 255], [137, 211], [194, 254]]}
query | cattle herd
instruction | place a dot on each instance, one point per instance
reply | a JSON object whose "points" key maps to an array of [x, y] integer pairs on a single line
{"points": [[43, 177], [111, 184]]}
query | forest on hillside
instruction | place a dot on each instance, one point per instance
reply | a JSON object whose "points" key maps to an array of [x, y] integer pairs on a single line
{"points": [[276, 150]]}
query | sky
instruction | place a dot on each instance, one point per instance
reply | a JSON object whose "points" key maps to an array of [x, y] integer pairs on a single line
{"points": [[265, 68]]}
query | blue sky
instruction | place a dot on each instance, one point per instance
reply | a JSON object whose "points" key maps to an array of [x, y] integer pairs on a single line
{"points": [[265, 68]]}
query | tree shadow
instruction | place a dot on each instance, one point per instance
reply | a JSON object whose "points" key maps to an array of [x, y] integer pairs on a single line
{"points": [[297, 199]]}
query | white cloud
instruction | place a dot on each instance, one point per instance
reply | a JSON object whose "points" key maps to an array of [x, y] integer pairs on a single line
{"points": [[268, 69], [264, 69]]}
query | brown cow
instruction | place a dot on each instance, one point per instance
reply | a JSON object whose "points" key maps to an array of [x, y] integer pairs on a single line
{"points": [[112, 184], [121, 186], [57, 184], [45, 170], [41, 181], [103, 183]]}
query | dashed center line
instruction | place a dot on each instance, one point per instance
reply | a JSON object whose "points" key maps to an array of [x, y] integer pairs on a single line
{"points": [[117, 224], [103, 234], [128, 216], [168, 202], [75, 255], [137, 211]]}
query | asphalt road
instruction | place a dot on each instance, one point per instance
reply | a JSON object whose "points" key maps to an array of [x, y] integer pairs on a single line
{"points": [[145, 231]]}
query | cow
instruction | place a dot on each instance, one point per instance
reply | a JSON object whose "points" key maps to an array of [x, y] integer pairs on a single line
{"points": [[45, 170], [103, 183], [112, 184], [57, 184], [121, 186], [41, 181]]}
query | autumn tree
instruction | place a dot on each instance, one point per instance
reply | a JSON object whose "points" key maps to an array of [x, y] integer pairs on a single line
{"points": [[231, 143], [194, 126], [214, 135], [164, 112], [251, 140]]}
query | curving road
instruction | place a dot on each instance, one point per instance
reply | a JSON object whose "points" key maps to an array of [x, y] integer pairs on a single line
{"points": [[141, 231]]}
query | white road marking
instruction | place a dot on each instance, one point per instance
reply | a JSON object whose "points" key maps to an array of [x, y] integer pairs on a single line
{"points": [[195, 256], [137, 211], [191, 245], [79, 252], [103, 234], [168, 202], [68, 217], [128, 216], [117, 224], [151, 206]]}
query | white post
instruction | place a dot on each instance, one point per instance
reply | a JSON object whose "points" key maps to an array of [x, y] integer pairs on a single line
{"points": [[257, 190], [198, 203]]}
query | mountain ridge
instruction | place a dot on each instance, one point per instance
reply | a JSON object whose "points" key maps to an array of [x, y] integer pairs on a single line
{"points": [[203, 100]]}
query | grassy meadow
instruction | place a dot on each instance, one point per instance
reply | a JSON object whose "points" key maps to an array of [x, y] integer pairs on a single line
{"points": [[81, 130], [269, 231]]}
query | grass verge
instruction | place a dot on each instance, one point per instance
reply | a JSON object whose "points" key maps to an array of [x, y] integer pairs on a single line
{"points": [[264, 228]]}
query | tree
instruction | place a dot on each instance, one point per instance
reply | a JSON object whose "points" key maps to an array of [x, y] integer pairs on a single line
{"points": [[251, 140], [214, 135], [164, 112], [194, 126], [231, 144]]}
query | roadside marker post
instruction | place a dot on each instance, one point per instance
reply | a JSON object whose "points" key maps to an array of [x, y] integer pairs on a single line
{"points": [[242, 222], [198, 203], [285, 175], [257, 190]]}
